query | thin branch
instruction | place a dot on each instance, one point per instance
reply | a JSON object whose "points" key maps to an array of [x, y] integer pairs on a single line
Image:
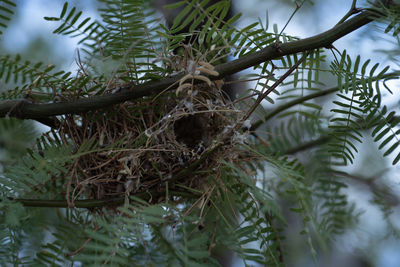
{"points": [[271, 88], [381, 190], [84, 244], [94, 203], [353, 10], [131, 91], [290, 104], [274, 86], [311, 144], [300, 100], [298, 6], [324, 139], [89, 203]]}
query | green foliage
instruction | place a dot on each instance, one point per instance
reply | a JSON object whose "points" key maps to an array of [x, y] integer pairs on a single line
{"points": [[246, 206], [34, 172], [36, 81], [360, 108], [7, 8]]}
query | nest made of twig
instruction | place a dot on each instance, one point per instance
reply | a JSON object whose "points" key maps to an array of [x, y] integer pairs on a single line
{"points": [[138, 146]]}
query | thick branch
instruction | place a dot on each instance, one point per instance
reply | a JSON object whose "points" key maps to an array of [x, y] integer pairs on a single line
{"points": [[321, 40], [24, 110]]}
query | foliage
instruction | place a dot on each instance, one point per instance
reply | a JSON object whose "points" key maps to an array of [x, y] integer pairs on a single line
{"points": [[6, 11], [292, 162]]}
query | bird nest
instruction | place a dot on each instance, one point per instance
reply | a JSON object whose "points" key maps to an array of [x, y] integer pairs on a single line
{"points": [[150, 144]]}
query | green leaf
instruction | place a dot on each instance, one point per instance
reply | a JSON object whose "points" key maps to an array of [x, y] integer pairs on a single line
{"points": [[64, 10], [178, 19], [396, 160], [175, 5], [51, 18]]}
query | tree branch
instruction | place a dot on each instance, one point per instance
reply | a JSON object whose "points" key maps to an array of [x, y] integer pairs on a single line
{"points": [[353, 10], [23, 109], [273, 87], [96, 203], [324, 139], [311, 144], [287, 105]]}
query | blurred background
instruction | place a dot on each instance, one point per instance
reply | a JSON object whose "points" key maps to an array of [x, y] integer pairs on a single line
{"points": [[374, 242]]}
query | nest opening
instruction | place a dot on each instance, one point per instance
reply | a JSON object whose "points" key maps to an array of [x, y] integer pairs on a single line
{"points": [[192, 131]]}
